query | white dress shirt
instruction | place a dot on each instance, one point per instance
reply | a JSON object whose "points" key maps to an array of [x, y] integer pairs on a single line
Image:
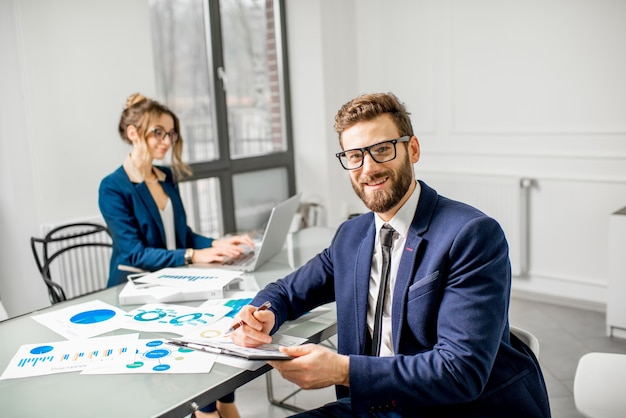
{"points": [[167, 217], [400, 223]]}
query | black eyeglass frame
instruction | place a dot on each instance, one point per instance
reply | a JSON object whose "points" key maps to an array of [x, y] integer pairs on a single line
{"points": [[405, 138], [173, 134]]}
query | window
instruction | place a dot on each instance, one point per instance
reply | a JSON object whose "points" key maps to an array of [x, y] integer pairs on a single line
{"points": [[220, 65]]}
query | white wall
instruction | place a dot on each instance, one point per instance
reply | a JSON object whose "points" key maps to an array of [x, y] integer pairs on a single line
{"points": [[322, 75], [18, 202], [68, 66], [532, 88]]}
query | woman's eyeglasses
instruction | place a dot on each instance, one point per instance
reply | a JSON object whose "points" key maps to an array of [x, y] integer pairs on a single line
{"points": [[160, 134]]}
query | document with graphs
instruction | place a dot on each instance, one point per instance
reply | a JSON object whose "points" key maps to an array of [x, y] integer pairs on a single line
{"points": [[178, 284], [189, 278]]}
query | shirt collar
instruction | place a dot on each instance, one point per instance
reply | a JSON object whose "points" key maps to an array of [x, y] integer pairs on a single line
{"points": [[401, 221], [135, 175]]}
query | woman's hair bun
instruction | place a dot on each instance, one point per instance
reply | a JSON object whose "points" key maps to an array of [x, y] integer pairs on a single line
{"points": [[134, 99]]}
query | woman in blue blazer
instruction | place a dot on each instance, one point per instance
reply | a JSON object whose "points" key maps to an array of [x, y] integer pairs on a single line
{"points": [[142, 207], [445, 345]]}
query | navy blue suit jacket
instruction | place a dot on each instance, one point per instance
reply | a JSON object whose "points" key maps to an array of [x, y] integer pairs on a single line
{"points": [[133, 217], [455, 356]]}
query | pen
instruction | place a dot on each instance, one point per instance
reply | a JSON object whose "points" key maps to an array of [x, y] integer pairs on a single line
{"points": [[264, 306]]}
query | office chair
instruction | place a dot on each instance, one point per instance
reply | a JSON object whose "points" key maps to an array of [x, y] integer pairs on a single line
{"points": [[599, 385], [82, 250], [527, 338], [3, 312]]}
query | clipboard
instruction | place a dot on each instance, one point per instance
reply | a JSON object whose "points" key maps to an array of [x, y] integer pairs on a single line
{"points": [[264, 352]]}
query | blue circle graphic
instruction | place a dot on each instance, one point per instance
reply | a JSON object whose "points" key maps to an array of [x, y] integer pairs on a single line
{"points": [[158, 353], [154, 343], [186, 318], [161, 367], [92, 317], [42, 349], [149, 316]]}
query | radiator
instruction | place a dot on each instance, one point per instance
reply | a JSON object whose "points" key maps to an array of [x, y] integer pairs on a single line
{"points": [[82, 270], [504, 198]]}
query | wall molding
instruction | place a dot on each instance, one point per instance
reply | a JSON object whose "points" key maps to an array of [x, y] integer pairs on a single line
{"points": [[535, 132], [533, 175], [526, 155], [559, 291], [537, 296]]}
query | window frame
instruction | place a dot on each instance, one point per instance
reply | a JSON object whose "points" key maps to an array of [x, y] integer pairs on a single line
{"points": [[224, 168]]}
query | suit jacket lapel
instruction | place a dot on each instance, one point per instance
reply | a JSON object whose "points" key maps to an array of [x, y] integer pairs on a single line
{"points": [[404, 279], [150, 204], [410, 258]]}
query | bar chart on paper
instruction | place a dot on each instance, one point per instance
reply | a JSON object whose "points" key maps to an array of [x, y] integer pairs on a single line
{"points": [[71, 356]]}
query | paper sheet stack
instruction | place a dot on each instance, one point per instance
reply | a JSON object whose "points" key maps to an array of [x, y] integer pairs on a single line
{"points": [[178, 285]]}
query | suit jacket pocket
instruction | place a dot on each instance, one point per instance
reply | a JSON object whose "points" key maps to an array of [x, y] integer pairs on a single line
{"points": [[423, 301], [423, 286]]}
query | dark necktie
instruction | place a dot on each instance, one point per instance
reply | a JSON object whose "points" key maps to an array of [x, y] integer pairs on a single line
{"points": [[386, 239]]}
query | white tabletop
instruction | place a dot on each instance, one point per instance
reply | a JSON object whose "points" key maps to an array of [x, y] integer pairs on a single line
{"points": [[142, 395]]}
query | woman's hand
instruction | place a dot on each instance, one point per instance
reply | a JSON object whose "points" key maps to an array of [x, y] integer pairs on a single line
{"points": [[222, 250], [235, 240]]}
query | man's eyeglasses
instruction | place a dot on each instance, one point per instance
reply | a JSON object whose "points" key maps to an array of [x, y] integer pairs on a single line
{"points": [[381, 153], [160, 134]]}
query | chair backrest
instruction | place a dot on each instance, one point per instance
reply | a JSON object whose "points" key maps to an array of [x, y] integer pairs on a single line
{"points": [[527, 338], [3, 312], [73, 259], [599, 385]]}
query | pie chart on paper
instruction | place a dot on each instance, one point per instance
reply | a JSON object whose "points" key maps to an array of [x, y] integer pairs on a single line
{"points": [[42, 349], [84, 320], [92, 317]]}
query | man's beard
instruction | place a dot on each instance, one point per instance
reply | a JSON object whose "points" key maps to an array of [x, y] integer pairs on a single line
{"points": [[381, 201]]}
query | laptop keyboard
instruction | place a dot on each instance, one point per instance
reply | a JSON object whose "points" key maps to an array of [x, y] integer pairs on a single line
{"points": [[243, 260]]}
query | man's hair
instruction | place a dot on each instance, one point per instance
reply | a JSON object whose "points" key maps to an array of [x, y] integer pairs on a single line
{"points": [[369, 106]]}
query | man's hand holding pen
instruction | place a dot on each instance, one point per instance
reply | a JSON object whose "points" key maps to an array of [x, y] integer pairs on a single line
{"points": [[313, 366], [252, 326]]}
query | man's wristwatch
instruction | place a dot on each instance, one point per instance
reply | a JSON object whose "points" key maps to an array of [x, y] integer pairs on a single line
{"points": [[188, 256]]}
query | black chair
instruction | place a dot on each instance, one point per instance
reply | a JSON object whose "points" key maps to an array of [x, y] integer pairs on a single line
{"points": [[83, 252]]}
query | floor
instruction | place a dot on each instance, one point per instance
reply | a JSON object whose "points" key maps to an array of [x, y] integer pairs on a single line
{"points": [[564, 333]]}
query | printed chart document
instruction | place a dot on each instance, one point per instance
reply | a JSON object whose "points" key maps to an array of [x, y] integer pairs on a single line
{"points": [[154, 356], [190, 278], [84, 320], [178, 285], [71, 356], [177, 319], [216, 330]]}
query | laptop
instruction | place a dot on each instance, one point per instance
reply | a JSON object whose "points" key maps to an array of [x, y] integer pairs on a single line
{"points": [[273, 239]]}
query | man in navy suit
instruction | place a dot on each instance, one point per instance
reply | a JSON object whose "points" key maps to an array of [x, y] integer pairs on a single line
{"points": [[445, 348]]}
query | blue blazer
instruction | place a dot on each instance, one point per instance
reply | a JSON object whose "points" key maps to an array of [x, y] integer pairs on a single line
{"points": [[455, 356], [134, 220]]}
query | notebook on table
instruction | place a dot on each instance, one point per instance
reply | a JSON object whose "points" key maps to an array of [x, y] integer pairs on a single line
{"points": [[272, 241]]}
